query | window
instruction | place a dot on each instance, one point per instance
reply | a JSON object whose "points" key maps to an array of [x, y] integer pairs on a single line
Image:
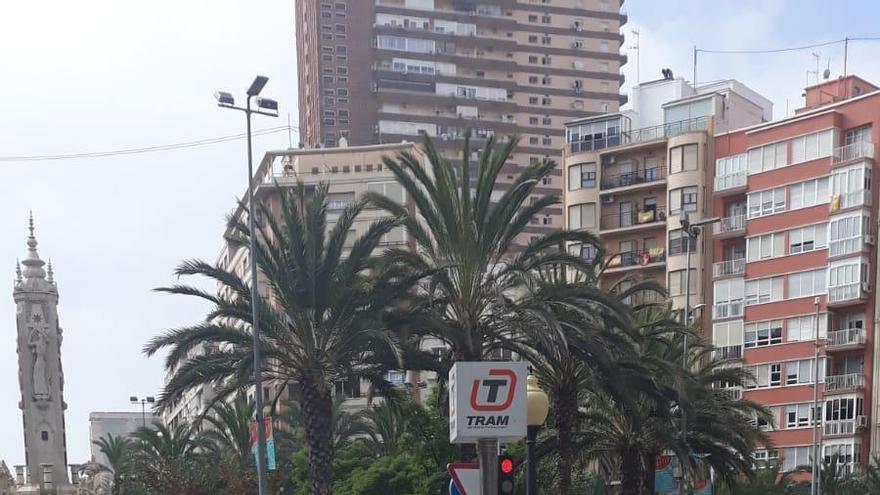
{"points": [[533, 140], [683, 158], [762, 334], [766, 202], [728, 298], [845, 408], [801, 371], [857, 135], [545, 19], [584, 251], [582, 216], [545, 40], [547, 121], [799, 415], [764, 458], [765, 246], [847, 272], [533, 100], [684, 197], [677, 282], [845, 234], [807, 239], [809, 193], [533, 18], [811, 146], [727, 337], [533, 59], [405, 44], [339, 201], [581, 176], [806, 284], [730, 165], [768, 157], [533, 38], [546, 141], [803, 328], [795, 457], [765, 375], [533, 120], [392, 190], [679, 242], [763, 290]]}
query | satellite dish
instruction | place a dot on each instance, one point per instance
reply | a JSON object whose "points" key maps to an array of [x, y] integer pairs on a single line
{"points": [[826, 74]]}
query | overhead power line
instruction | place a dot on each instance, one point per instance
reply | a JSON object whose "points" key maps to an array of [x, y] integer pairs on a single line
{"points": [[776, 50], [149, 149]]}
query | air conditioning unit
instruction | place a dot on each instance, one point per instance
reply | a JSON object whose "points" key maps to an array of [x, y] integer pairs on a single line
{"points": [[608, 199], [869, 239], [866, 287], [608, 159], [861, 421]]}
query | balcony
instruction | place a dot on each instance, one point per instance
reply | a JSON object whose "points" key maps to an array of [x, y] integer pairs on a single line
{"points": [[837, 384], [598, 141], [844, 427], [851, 245], [730, 226], [631, 180], [862, 197], [731, 309], [852, 152], [732, 393], [729, 352], [636, 259], [843, 295], [731, 182], [850, 338], [634, 220], [729, 267]]}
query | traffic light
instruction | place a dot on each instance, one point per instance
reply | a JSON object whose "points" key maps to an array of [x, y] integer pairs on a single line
{"points": [[505, 475]]}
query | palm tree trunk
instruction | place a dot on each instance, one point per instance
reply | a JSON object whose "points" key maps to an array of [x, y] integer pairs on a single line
{"points": [[631, 472], [565, 405], [317, 416], [649, 461]]}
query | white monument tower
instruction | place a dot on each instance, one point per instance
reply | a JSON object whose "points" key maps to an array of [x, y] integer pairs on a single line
{"points": [[40, 377]]}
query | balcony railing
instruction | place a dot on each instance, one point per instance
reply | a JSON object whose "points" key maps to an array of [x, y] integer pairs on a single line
{"points": [[846, 337], [844, 383], [632, 219], [593, 142], [634, 258], [730, 309], [730, 181], [848, 292], [845, 426], [730, 224], [862, 197], [853, 151], [729, 267], [729, 352], [633, 178]]}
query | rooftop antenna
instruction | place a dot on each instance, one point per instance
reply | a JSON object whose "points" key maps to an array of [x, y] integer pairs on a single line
{"points": [[635, 46]]}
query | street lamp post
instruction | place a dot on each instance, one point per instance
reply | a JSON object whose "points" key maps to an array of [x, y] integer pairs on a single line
{"points": [[536, 414], [143, 402], [692, 231], [268, 107]]}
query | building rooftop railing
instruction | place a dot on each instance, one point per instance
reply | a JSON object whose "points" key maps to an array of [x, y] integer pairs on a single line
{"points": [[593, 142]]}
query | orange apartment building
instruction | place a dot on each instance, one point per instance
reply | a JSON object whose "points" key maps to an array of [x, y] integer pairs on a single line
{"points": [[797, 238]]}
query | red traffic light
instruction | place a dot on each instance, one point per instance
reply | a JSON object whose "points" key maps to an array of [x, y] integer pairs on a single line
{"points": [[506, 466]]}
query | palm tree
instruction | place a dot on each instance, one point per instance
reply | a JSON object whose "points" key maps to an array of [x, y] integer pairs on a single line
{"points": [[470, 242], [322, 325], [118, 450], [567, 363], [171, 460], [626, 437], [228, 428], [345, 425]]}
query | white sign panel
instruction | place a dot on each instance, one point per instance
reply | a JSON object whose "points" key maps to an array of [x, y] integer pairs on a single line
{"points": [[487, 399]]}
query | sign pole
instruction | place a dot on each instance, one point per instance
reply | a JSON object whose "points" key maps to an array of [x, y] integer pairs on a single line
{"points": [[487, 449]]}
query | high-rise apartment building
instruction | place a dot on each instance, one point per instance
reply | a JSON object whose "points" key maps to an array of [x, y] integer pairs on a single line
{"points": [[628, 176], [795, 263], [380, 71]]}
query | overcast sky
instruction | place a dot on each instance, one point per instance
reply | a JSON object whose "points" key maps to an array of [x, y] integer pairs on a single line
{"points": [[96, 75]]}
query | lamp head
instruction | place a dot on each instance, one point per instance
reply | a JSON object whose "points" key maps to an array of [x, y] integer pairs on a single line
{"points": [[267, 104], [257, 86], [151, 399], [224, 98], [133, 399], [538, 402]]}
